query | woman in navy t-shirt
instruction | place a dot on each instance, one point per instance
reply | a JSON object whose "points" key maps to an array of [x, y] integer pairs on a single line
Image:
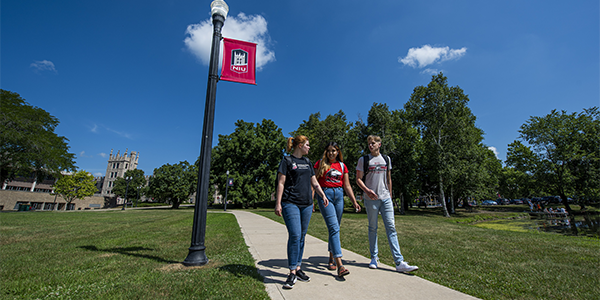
{"points": [[294, 202]]}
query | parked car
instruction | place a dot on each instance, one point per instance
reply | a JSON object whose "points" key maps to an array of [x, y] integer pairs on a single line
{"points": [[502, 201], [551, 199], [516, 201], [488, 202]]}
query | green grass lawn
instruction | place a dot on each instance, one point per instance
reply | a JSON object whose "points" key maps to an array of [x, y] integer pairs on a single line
{"points": [[132, 254], [482, 262], [136, 254]]}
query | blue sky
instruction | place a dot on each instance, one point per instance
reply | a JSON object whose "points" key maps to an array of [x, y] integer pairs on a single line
{"points": [[133, 74]]}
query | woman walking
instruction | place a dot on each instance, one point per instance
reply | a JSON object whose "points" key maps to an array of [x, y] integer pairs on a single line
{"points": [[295, 203], [332, 175]]}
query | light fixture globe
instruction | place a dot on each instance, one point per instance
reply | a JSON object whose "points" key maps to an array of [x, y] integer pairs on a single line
{"points": [[219, 7]]}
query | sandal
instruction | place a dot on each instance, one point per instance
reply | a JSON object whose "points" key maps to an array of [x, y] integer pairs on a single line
{"points": [[342, 271], [331, 264]]}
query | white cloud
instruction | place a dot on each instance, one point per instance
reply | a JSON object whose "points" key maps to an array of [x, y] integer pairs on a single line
{"points": [[98, 174], [494, 150], [43, 65], [102, 154], [241, 27], [94, 129], [120, 133], [427, 55], [82, 154], [429, 71]]}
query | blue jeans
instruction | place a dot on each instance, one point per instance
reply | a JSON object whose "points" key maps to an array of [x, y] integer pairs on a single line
{"points": [[332, 214], [386, 209], [296, 220]]}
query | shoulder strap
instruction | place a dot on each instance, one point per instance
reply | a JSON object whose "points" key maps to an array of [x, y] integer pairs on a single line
{"points": [[365, 166], [288, 159], [387, 159]]}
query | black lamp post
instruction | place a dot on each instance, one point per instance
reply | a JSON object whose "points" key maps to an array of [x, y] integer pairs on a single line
{"points": [[196, 255], [128, 179]]}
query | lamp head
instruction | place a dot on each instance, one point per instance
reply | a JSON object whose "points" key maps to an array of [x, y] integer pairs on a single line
{"points": [[219, 7]]}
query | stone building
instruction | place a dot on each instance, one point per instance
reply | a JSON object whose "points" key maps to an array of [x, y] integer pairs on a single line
{"points": [[39, 195], [117, 166]]}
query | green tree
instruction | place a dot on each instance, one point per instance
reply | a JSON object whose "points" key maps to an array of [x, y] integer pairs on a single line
{"points": [[333, 128], [251, 154], [448, 132], [402, 143], [475, 174], [173, 183], [564, 156], [522, 163], [138, 181], [513, 183], [75, 186], [29, 143]]}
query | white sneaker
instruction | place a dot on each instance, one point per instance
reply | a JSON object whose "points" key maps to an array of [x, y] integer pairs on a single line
{"points": [[404, 267], [373, 264]]}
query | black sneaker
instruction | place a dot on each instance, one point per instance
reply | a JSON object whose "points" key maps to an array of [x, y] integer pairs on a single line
{"points": [[289, 283], [302, 276]]}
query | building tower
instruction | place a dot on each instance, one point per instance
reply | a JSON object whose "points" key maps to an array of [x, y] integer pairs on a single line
{"points": [[117, 166]]}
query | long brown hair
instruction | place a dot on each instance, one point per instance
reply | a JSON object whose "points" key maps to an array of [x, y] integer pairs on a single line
{"points": [[324, 165], [293, 142]]}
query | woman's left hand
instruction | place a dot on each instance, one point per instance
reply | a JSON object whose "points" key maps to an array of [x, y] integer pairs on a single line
{"points": [[325, 202], [357, 207]]}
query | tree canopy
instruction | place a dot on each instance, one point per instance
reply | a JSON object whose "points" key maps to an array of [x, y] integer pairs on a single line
{"points": [[453, 156], [173, 183], [251, 154], [75, 186], [138, 181], [563, 156], [29, 143]]}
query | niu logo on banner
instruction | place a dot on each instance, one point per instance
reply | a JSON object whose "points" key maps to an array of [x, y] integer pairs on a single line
{"points": [[239, 61]]}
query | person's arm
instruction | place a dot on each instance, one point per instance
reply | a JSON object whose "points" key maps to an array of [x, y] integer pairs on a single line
{"points": [[369, 192], [350, 193], [316, 187], [279, 193]]}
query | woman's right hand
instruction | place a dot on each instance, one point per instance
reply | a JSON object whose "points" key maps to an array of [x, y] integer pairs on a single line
{"points": [[278, 210]]}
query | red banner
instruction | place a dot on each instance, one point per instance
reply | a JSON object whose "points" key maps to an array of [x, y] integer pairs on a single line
{"points": [[239, 61]]}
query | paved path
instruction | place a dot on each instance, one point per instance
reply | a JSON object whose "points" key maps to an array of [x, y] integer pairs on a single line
{"points": [[267, 242]]}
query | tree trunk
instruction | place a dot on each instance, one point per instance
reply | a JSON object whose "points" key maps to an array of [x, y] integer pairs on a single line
{"points": [[452, 211], [443, 198], [402, 204], [563, 198], [175, 204]]}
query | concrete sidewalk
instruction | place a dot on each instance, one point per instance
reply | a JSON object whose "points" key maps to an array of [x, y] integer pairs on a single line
{"points": [[267, 241]]}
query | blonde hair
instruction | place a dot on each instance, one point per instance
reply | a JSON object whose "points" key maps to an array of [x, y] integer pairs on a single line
{"points": [[324, 164], [375, 138], [293, 142]]}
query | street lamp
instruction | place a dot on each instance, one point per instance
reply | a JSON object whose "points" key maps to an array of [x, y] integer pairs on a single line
{"points": [[196, 255], [128, 180]]}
